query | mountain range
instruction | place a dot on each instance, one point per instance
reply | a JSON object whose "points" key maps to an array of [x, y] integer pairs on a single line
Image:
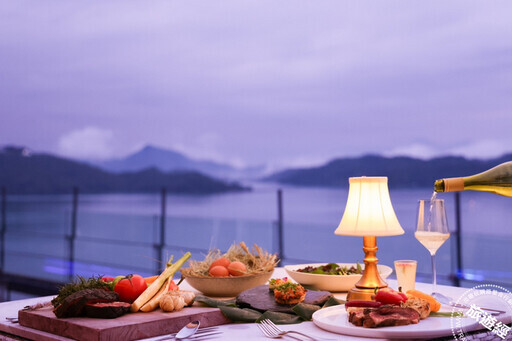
{"points": [[23, 172], [402, 172], [169, 160], [152, 168]]}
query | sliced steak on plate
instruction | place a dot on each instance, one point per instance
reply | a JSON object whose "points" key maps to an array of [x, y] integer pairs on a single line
{"points": [[356, 316], [385, 316]]}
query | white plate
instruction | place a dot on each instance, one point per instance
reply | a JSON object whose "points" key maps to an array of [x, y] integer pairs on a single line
{"points": [[335, 319], [331, 283]]}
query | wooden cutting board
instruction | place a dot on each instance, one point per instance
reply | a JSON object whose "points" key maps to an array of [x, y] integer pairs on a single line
{"points": [[127, 327]]}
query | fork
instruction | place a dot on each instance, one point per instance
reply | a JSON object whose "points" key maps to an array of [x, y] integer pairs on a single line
{"points": [[269, 329], [449, 301], [269, 333], [199, 335]]}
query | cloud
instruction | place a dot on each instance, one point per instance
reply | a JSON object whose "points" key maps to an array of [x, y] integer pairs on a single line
{"points": [[483, 149], [479, 149], [87, 143], [204, 146], [417, 150], [311, 81]]}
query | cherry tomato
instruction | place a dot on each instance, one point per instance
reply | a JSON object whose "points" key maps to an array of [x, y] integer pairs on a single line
{"points": [[130, 287], [390, 296], [107, 279]]}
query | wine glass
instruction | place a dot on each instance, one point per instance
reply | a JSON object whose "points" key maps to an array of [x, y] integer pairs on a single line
{"points": [[432, 230]]}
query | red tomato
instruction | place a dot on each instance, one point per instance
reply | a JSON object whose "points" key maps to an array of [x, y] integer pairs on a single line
{"points": [[107, 279], [130, 287], [173, 286], [390, 296]]}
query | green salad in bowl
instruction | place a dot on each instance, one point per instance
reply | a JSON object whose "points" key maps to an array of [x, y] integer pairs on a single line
{"points": [[334, 277], [333, 269]]}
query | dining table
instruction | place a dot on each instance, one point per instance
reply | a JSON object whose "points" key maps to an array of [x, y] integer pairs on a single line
{"points": [[244, 331]]}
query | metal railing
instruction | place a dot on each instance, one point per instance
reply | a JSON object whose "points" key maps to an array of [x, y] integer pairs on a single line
{"points": [[8, 280], [3, 226]]}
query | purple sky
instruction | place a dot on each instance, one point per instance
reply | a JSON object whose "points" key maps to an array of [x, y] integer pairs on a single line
{"points": [[277, 82]]}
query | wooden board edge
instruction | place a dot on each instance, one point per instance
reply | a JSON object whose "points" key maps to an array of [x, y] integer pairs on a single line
{"points": [[147, 330], [60, 328], [50, 325]]}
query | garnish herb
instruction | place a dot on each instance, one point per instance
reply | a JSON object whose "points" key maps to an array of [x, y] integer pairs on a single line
{"points": [[80, 283], [446, 314]]}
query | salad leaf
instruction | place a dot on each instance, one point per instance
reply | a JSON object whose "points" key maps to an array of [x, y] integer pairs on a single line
{"points": [[305, 311], [216, 303], [280, 318], [245, 315]]}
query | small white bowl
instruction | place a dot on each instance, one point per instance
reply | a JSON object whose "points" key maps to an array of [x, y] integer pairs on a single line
{"points": [[333, 283]]}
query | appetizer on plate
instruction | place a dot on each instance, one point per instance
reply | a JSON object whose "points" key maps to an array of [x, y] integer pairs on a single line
{"points": [[289, 293], [275, 282]]}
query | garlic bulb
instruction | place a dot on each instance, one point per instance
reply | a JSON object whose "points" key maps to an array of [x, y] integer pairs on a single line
{"points": [[188, 296]]}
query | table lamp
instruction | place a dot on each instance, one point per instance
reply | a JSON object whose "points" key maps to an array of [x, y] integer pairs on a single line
{"points": [[368, 214]]}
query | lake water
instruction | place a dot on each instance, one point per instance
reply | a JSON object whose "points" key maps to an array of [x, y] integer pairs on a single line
{"points": [[116, 234]]}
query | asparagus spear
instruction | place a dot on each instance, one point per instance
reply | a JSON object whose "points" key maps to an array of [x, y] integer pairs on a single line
{"points": [[154, 302], [153, 289]]}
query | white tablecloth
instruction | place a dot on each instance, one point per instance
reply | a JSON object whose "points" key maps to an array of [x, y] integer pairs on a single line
{"points": [[238, 331]]}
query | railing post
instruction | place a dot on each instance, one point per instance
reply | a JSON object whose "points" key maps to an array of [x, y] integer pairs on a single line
{"points": [[280, 247], [161, 243], [458, 241], [72, 235], [3, 228]]}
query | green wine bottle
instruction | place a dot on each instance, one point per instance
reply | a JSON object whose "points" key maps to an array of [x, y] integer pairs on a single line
{"points": [[495, 180]]}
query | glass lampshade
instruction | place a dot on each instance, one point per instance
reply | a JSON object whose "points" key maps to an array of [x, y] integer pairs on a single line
{"points": [[369, 211]]}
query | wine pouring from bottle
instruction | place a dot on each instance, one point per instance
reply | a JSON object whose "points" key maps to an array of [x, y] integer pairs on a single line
{"points": [[495, 180]]}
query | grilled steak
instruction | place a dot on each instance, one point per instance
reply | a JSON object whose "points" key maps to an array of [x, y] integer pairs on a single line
{"points": [[107, 310], [356, 316], [74, 304], [385, 316]]}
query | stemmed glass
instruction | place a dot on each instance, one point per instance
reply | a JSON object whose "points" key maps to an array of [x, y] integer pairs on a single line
{"points": [[432, 230]]}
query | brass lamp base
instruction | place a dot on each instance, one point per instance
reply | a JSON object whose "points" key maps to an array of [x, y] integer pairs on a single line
{"points": [[356, 294], [371, 279]]}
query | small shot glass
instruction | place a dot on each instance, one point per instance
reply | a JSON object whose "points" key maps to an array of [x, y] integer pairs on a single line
{"points": [[406, 274]]}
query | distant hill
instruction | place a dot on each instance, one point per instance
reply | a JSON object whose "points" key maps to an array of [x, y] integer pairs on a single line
{"points": [[24, 173], [168, 160], [402, 172]]}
